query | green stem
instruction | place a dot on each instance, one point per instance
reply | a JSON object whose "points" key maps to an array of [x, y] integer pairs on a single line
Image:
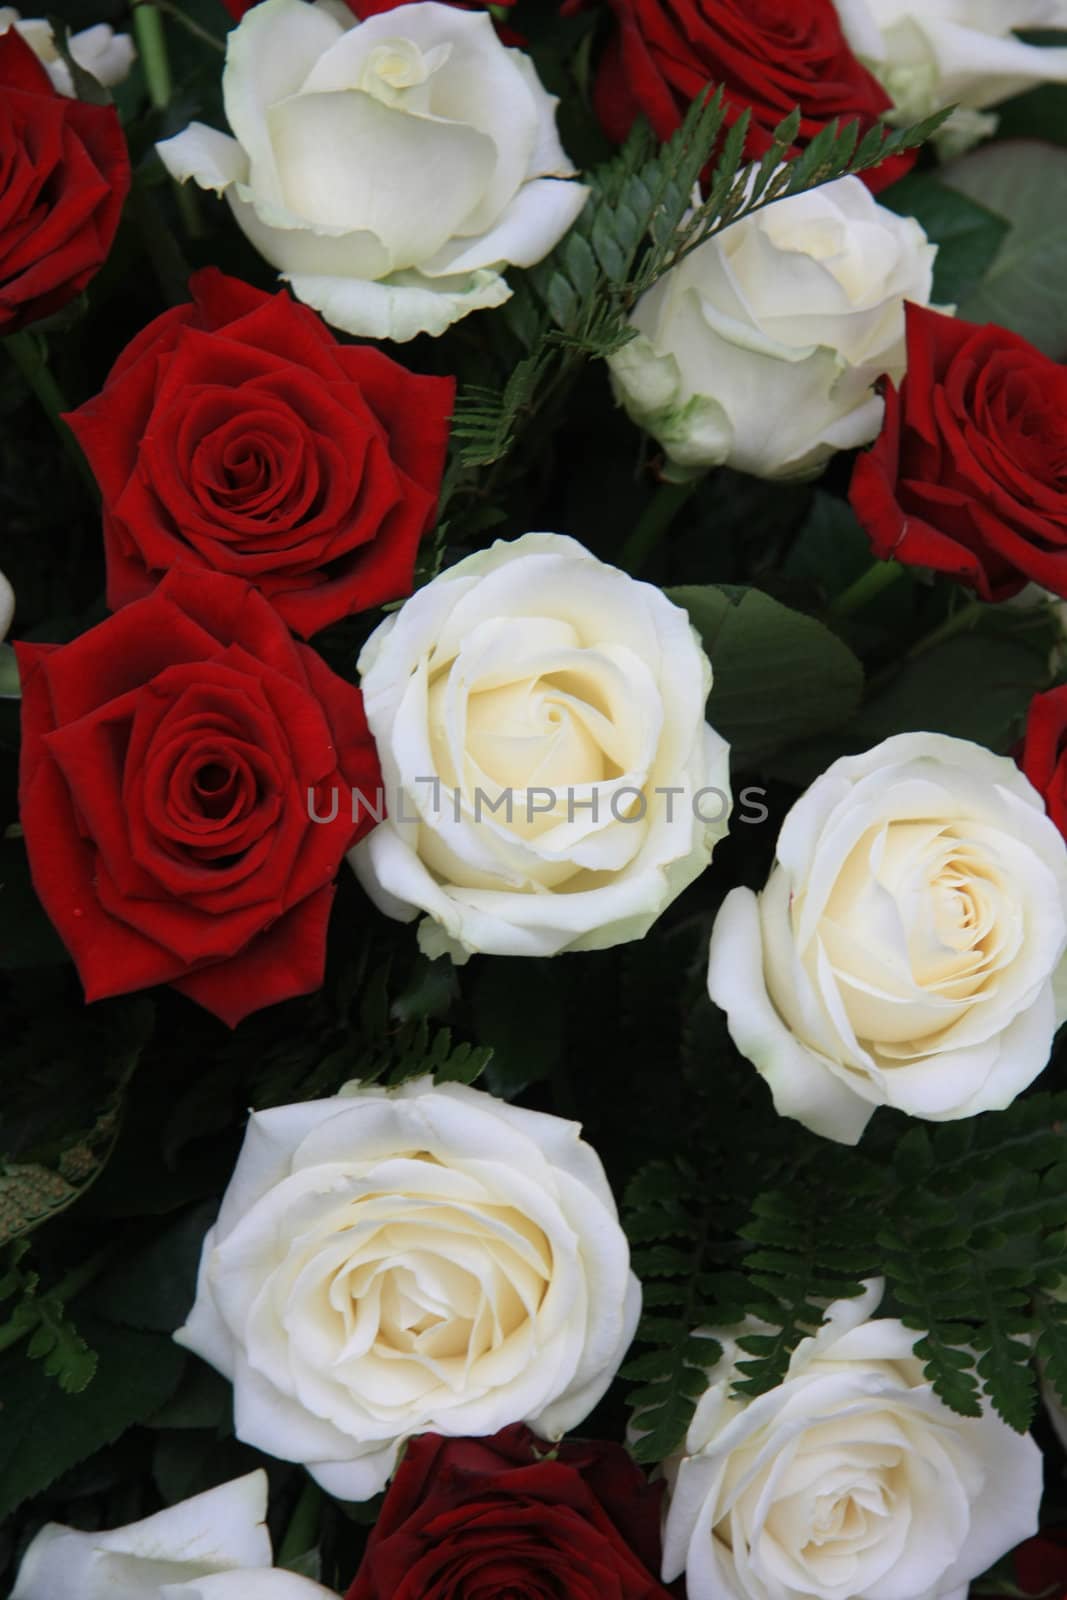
{"points": [[28, 352], [654, 522], [866, 587], [152, 49], [303, 1531], [959, 622], [170, 10], [65, 1290]]}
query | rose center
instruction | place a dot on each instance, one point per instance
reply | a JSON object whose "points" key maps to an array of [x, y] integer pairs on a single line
{"points": [[215, 786], [398, 65], [445, 1285]]}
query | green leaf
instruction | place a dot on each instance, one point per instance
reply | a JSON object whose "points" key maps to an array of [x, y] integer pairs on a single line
{"points": [[1022, 290], [32, 1192], [968, 234], [57, 1344], [935, 692], [581, 265], [562, 299], [779, 675], [518, 1010], [45, 1432], [154, 1287], [86, 87], [831, 550], [10, 688]]}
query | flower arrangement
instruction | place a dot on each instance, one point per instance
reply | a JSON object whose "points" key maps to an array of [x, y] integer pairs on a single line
{"points": [[533, 767]]}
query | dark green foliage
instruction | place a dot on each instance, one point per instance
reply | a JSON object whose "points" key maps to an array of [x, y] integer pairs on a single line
{"points": [[120, 1123], [966, 1222]]}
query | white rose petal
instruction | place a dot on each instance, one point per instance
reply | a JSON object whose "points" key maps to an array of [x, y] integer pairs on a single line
{"points": [[906, 947], [761, 350], [9, 672], [935, 53], [7, 606], [533, 676], [212, 1547], [99, 50], [850, 1481], [390, 1262], [390, 169]]}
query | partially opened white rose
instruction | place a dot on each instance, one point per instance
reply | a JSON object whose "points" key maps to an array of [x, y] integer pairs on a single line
{"points": [[100, 50], [390, 169], [905, 947], [9, 672], [850, 1481], [550, 781], [393, 1262], [7, 606], [213, 1547], [935, 53], [761, 349]]}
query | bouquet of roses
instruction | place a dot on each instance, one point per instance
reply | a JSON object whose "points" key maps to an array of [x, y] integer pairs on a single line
{"points": [[490, 484]]}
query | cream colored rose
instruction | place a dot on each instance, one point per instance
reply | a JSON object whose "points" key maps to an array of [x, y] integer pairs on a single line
{"points": [[390, 169], [9, 673], [213, 1547], [905, 947], [392, 1262], [550, 781], [100, 50], [761, 349], [850, 1481], [935, 53]]}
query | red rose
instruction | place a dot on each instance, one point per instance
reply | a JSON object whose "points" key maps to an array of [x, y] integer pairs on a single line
{"points": [[968, 473], [237, 434], [66, 173], [1041, 1565], [1044, 752], [169, 757], [467, 1518], [769, 56]]}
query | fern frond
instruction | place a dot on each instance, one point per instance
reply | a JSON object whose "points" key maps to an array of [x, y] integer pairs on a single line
{"points": [[641, 220]]}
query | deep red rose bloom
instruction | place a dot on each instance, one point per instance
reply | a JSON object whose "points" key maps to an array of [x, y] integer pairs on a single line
{"points": [[1044, 761], [167, 759], [1041, 1564], [969, 473], [64, 174], [769, 56], [237, 434], [467, 1518]]}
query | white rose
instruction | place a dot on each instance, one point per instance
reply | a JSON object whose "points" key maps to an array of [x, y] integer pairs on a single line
{"points": [[392, 1262], [761, 349], [935, 53], [850, 1481], [100, 50], [390, 169], [534, 679], [9, 674], [213, 1547], [904, 949]]}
